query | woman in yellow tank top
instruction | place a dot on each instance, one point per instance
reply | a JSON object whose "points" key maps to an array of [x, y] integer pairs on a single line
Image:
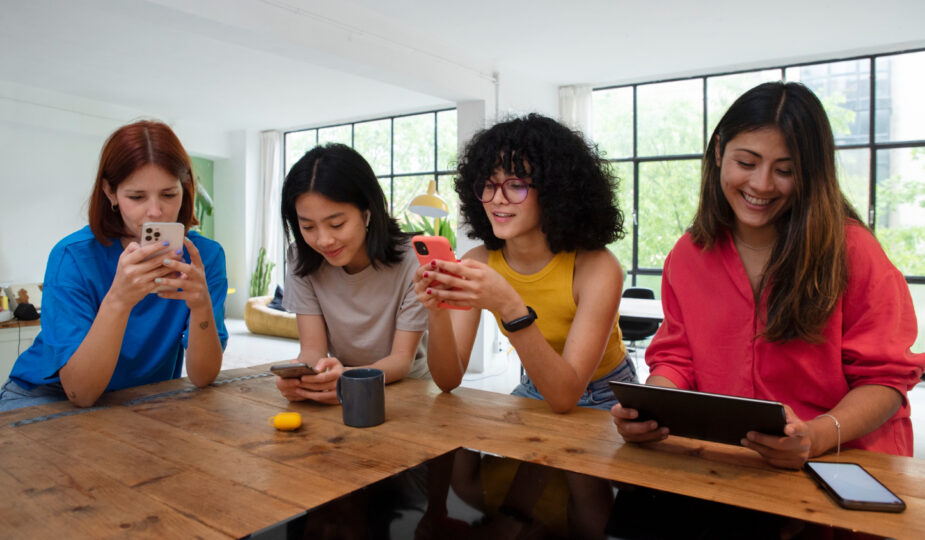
{"points": [[542, 202]]}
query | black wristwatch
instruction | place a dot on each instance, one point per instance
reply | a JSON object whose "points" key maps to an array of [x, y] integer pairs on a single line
{"points": [[521, 322]]}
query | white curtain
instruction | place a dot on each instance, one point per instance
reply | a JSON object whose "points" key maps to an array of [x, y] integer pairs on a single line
{"points": [[575, 107], [269, 233]]}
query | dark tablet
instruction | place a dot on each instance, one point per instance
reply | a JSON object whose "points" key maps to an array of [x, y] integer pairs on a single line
{"points": [[699, 415]]}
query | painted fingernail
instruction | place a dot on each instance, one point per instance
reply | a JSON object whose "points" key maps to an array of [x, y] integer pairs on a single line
{"points": [[425, 274], [158, 280], [167, 261], [428, 291], [433, 264], [165, 242], [179, 252]]}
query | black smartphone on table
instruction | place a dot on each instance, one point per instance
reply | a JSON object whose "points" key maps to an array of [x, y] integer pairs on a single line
{"points": [[852, 487], [292, 371]]}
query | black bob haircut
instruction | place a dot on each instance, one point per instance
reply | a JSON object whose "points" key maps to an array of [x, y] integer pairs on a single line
{"points": [[574, 185], [340, 173]]}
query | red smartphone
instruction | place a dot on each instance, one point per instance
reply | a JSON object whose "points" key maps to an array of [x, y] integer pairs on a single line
{"points": [[428, 248]]}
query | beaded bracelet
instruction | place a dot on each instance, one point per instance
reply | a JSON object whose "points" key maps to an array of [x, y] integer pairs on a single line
{"points": [[837, 432]]}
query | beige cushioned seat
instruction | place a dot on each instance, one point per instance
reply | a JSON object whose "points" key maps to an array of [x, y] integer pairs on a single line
{"points": [[260, 319]]}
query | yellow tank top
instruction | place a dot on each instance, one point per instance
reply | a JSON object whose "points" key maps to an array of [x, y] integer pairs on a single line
{"points": [[549, 293]]}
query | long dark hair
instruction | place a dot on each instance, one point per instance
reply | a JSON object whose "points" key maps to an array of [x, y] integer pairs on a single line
{"points": [[807, 271], [575, 188], [128, 149], [340, 173]]}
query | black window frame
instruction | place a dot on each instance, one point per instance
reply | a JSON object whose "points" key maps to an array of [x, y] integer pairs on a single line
{"points": [[436, 173], [872, 145]]}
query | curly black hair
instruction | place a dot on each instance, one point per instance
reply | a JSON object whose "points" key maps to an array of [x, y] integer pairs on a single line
{"points": [[574, 185]]}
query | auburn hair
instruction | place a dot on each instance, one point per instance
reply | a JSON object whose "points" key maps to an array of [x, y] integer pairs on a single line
{"points": [[807, 271], [128, 149]]}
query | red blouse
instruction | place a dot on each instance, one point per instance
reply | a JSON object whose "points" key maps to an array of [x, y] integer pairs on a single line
{"points": [[707, 342]]}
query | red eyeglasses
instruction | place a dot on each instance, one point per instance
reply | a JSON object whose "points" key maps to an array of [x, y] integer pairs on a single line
{"points": [[515, 190]]}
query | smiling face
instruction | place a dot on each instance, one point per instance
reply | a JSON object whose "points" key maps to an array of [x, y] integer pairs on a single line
{"points": [[509, 220], [335, 230], [756, 174], [148, 194]]}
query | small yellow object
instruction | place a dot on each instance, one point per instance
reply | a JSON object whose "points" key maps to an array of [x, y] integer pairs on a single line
{"points": [[286, 421]]}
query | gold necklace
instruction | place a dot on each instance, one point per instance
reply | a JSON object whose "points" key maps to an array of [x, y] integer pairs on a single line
{"points": [[749, 246]]}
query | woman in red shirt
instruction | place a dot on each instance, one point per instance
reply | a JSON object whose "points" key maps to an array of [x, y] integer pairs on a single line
{"points": [[778, 291]]}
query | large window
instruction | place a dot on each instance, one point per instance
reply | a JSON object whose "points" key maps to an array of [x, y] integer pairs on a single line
{"points": [[406, 152], [654, 133]]}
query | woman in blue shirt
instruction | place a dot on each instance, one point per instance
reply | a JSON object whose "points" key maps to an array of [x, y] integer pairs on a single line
{"points": [[103, 325]]}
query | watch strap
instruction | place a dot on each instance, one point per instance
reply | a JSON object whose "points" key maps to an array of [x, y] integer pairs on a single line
{"points": [[521, 322]]}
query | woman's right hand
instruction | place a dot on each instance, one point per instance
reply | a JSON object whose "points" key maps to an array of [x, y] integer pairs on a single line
{"points": [[321, 388], [136, 271], [633, 430]]}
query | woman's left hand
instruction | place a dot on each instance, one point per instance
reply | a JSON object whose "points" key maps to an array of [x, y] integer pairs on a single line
{"points": [[467, 283], [788, 452], [191, 279]]}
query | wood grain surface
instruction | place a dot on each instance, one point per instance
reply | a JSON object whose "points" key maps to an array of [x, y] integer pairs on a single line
{"points": [[171, 460]]}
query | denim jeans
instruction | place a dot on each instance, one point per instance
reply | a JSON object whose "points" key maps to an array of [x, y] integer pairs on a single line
{"points": [[596, 396], [13, 396]]}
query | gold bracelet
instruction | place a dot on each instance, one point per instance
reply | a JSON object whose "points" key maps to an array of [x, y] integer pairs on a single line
{"points": [[837, 432]]}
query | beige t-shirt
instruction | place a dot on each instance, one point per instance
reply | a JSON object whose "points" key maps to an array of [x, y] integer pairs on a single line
{"points": [[362, 311]]}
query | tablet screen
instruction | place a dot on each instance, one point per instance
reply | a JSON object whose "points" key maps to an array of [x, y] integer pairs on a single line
{"points": [[700, 415]]}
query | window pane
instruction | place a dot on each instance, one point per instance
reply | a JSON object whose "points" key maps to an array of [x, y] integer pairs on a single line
{"points": [[650, 282], [297, 143], [918, 302], [373, 140], [722, 91], [671, 118], [623, 249], [414, 143], [668, 196], [406, 188], [446, 140], [336, 134], [901, 207], [445, 189], [900, 107], [854, 176], [613, 121], [844, 89]]}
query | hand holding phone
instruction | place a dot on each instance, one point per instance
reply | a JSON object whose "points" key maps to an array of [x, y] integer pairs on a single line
{"points": [[429, 248], [292, 371], [160, 232], [852, 487]]}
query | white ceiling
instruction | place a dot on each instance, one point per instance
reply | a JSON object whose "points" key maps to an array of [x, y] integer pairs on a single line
{"points": [[261, 64]]}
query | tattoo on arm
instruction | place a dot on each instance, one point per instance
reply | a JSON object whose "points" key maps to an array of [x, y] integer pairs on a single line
{"points": [[204, 325]]}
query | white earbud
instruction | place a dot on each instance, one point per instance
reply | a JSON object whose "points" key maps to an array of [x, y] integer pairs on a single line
{"points": [[367, 219]]}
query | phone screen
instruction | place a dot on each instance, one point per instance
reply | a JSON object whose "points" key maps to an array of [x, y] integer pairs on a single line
{"points": [[853, 487]]}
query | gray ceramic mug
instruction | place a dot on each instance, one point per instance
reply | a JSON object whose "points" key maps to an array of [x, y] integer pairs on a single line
{"points": [[362, 394]]}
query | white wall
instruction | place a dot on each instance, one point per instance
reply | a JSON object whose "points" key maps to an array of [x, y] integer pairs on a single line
{"points": [[235, 187], [49, 154]]}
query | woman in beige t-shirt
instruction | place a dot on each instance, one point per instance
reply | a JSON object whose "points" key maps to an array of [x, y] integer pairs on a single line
{"points": [[349, 275]]}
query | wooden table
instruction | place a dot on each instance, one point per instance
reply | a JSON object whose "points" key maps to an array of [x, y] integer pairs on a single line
{"points": [[169, 460], [641, 309]]}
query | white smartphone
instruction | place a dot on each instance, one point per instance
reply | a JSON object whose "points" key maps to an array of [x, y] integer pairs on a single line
{"points": [[160, 232], [852, 487]]}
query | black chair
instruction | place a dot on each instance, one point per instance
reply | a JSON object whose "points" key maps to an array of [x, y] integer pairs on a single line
{"points": [[634, 331]]}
